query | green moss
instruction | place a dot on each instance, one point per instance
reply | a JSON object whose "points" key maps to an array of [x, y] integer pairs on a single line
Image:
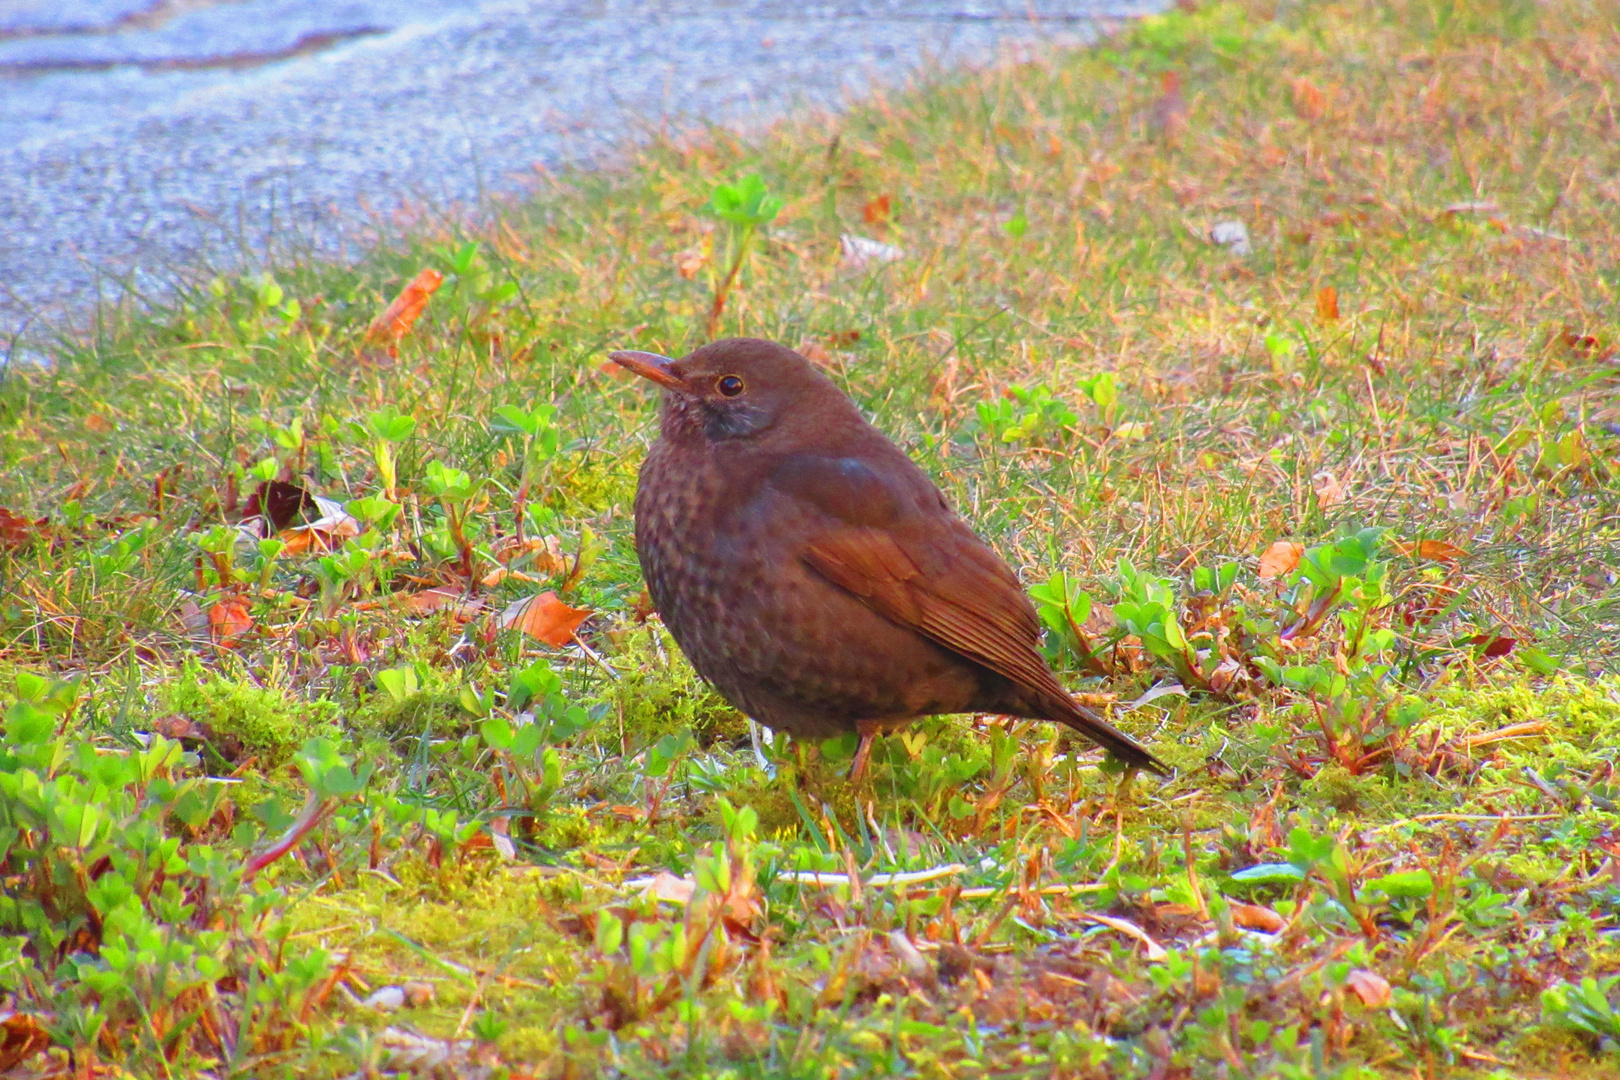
{"points": [[1346, 791], [431, 711], [659, 694], [267, 722], [1582, 717]]}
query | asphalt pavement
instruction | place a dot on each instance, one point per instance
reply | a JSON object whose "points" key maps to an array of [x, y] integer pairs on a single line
{"points": [[144, 140]]}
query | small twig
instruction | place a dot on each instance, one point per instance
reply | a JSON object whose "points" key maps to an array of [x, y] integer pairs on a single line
{"points": [[982, 892], [595, 657], [1475, 817], [1192, 869]]}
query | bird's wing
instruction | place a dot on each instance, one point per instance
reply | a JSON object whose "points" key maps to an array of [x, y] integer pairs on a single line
{"points": [[966, 606], [924, 570], [977, 609], [890, 540]]}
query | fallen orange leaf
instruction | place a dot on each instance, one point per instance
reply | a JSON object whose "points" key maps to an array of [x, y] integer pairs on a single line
{"points": [[815, 352], [501, 573], [307, 538], [18, 533], [430, 600], [1280, 558], [547, 552], [876, 211], [1329, 492], [545, 617], [397, 318], [1327, 304], [1440, 551], [1168, 115], [21, 1037], [1254, 917], [437, 599], [1309, 101], [688, 263], [1371, 987], [324, 534], [1437, 550], [228, 621]]}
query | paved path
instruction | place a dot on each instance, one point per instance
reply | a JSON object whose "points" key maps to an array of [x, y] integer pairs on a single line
{"points": [[145, 138]]}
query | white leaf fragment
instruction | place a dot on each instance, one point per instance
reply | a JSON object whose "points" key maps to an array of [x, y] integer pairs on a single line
{"points": [[861, 253], [1231, 235]]}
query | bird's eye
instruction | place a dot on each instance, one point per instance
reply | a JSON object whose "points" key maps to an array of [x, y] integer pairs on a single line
{"points": [[729, 385]]}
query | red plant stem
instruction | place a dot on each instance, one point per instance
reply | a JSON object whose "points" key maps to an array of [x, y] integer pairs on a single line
{"points": [[315, 809], [724, 289]]}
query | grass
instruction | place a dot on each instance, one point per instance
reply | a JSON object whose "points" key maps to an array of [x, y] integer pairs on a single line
{"points": [[1389, 846]]}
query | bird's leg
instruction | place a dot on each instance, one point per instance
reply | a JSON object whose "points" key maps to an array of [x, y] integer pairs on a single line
{"points": [[869, 731]]}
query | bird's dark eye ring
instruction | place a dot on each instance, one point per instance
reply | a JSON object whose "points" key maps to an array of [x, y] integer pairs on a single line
{"points": [[729, 385]]}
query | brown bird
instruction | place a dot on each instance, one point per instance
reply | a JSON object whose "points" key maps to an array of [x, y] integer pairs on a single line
{"points": [[814, 574]]}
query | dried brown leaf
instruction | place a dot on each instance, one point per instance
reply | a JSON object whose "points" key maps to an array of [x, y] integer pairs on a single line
{"points": [[501, 573], [279, 501], [1493, 645], [430, 600]]}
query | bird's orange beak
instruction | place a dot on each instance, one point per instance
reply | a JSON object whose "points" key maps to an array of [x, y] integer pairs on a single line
{"points": [[650, 366]]}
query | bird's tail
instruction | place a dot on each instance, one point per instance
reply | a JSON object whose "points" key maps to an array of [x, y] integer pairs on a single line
{"points": [[1065, 710]]}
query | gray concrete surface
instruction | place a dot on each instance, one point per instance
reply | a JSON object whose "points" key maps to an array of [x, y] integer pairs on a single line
{"points": [[142, 140]]}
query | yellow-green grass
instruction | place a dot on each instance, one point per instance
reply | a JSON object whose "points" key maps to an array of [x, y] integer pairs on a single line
{"points": [[1422, 339]]}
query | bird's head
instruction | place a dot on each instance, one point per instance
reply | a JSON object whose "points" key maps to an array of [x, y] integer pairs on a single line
{"points": [[742, 389]]}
